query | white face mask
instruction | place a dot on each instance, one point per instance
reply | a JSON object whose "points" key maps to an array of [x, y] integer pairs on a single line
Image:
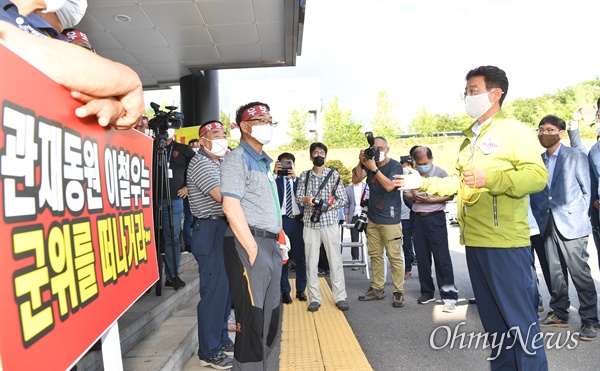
{"points": [[598, 128], [195, 149], [149, 133], [262, 133], [477, 105], [381, 157], [170, 133], [72, 13], [219, 147], [53, 5]]}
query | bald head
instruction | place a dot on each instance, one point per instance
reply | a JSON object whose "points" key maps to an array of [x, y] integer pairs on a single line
{"points": [[422, 153]]}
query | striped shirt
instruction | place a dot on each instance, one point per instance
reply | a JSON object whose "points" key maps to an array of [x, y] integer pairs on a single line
{"points": [[327, 217], [203, 175]]}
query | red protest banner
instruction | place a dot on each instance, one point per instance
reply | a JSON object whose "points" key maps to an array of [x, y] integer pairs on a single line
{"points": [[76, 232]]}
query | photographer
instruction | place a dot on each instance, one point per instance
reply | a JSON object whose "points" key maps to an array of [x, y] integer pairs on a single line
{"points": [[322, 194], [384, 218]]}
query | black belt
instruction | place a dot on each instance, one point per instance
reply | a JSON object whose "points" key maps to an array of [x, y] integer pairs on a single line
{"points": [[429, 213], [214, 217], [257, 232]]}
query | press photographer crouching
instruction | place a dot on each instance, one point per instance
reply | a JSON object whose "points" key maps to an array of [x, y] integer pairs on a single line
{"points": [[384, 217], [321, 192]]}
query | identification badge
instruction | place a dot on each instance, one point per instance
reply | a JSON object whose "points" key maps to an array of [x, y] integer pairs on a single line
{"points": [[170, 173], [271, 177], [489, 145]]}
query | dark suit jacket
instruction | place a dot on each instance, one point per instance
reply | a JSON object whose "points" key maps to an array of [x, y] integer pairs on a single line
{"points": [[568, 196]]}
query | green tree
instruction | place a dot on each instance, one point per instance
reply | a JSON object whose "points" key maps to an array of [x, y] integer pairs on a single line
{"points": [[226, 121], [423, 123], [339, 129], [297, 130], [384, 123], [345, 173]]}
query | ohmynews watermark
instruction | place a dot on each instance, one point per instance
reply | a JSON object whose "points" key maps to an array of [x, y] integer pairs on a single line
{"points": [[456, 339]]}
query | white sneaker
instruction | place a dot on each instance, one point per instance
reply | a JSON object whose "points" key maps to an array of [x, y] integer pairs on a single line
{"points": [[449, 307]]}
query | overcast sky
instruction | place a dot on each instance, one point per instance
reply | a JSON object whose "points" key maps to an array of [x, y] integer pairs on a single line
{"points": [[419, 51]]}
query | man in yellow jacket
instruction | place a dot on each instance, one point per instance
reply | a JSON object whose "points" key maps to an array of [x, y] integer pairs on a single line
{"points": [[499, 166]]}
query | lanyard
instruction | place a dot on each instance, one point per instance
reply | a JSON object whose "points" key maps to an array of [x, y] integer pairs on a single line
{"points": [[170, 153], [273, 193]]}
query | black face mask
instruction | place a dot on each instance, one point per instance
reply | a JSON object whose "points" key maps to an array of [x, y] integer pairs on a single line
{"points": [[319, 161]]}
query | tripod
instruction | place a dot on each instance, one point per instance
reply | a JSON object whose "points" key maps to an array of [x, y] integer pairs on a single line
{"points": [[162, 195]]}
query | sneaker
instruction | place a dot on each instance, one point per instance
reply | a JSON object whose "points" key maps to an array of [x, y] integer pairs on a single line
{"points": [[553, 321], [231, 326], [449, 308], [587, 332], [342, 305], [228, 349], [354, 268], [424, 299], [398, 300], [219, 361], [321, 272], [169, 283], [372, 294], [314, 306]]}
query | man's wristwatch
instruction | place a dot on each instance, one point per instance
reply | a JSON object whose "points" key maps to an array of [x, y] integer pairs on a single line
{"points": [[375, 171]]}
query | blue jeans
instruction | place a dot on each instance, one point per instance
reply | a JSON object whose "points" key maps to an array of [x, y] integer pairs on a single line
{"points": [[177, 207]]}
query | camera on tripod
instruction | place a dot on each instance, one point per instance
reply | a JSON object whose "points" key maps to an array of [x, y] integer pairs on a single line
{"points": [[319, 206], [361, 222], [164, 120], [371, 152]]}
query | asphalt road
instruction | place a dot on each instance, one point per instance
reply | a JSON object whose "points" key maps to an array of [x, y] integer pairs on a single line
{"points": [[419, 337]]}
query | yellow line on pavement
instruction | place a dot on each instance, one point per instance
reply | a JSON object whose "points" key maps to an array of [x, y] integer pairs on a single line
{"points": [[321, 340]]}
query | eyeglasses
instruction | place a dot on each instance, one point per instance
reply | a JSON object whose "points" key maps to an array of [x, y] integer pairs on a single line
{"points": [[471, 92], [548, 131], [264, 122]]}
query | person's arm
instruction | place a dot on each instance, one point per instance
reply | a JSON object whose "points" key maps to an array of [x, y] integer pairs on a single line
{"points": [[358, 173], [109, 90], [232, 208], [529, 174]]}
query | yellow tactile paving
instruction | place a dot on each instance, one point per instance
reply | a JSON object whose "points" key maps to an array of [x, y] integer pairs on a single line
{"points": [[322, 340]]}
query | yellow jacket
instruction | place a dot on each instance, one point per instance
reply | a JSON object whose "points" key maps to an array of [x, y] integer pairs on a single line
{"points": [[508, 151]]}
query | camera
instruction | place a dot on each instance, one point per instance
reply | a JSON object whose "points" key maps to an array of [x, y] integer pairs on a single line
{"points": [[318, 207], [164, 120], [371, 152], [361, 222], [285, 166]]}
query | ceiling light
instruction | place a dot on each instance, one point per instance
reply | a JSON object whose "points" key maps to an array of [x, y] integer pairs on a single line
{"points": [[122, 18]]}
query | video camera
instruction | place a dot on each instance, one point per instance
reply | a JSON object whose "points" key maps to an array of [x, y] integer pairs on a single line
{"points": [[371, 152], [164, 120]]}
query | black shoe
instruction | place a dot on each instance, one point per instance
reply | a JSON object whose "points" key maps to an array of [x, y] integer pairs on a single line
{"points": [[300, 296], [587, 332], [424, 299], [472, 301], [286, 298], [228, 349], [219, 361], [169, 283], [314, 306], [342, 305]]}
